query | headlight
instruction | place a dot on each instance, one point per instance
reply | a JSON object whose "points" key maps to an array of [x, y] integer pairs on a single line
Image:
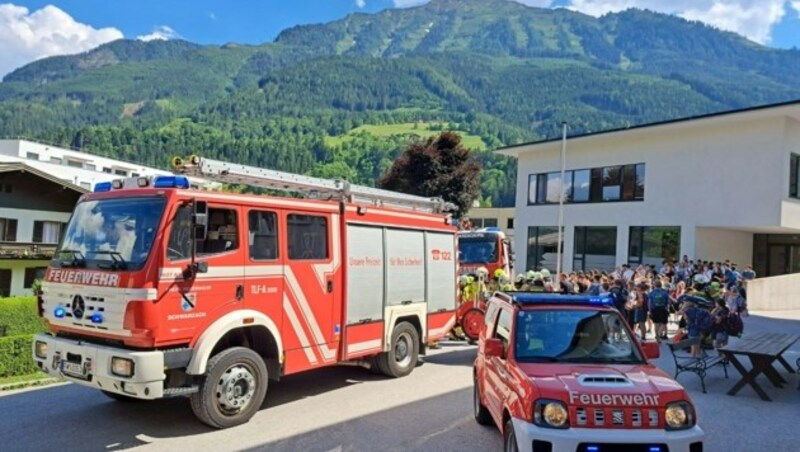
{"points": [[40, 349], [550, 414], [122, 367], [679, 416]]}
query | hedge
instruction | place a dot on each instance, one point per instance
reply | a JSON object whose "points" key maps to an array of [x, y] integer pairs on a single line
{"points": [[16, 356], [19, 316]]}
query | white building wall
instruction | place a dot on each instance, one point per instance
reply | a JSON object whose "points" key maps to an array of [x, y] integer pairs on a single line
{"points": [[717, 245], [18, 267], [719, 172]]}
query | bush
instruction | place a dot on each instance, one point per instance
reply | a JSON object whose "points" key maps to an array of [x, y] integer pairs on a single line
{"points": [[19, 316], [16, 356]]}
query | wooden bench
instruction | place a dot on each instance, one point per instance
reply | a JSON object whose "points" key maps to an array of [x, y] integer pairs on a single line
{"points": [[685, 362], [762, 349]]}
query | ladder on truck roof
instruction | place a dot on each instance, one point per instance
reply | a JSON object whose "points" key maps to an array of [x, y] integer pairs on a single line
{"points": [[313, 187]]}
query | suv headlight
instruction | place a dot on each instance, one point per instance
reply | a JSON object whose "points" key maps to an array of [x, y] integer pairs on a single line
{"points": [[41, 350], [679, 416], [550, 414]]}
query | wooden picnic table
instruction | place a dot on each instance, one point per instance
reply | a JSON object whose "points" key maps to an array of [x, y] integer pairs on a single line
{"points": [[762, 349]]}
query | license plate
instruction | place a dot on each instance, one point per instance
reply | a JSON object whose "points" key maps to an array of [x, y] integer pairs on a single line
{"points": [[72, 368]]}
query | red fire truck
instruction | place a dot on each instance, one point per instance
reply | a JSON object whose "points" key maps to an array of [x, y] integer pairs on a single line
{"points": [[159, 290], [488, 248]]}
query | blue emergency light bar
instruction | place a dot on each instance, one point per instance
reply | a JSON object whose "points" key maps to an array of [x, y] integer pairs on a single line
{"points": [[554, 298], [102, 186], [171, 182]]}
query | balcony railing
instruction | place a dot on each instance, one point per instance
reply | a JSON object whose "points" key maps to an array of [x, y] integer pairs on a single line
{"points": [[22, 250]]}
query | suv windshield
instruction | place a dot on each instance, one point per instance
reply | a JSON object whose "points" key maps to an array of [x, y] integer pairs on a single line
{"points": [[478, 249], [575, 336], [114, 234]]}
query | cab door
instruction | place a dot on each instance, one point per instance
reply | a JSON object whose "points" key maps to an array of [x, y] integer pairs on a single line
{"points": [[496, 367], [263, 270], [195, 295], [312, 305]]}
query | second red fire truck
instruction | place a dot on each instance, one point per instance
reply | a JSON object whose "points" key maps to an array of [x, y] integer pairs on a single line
{"points": [[158, 290]]}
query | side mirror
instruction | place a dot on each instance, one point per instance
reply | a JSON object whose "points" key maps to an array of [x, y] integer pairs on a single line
{"points": [[651, 350], [493, 347], [194, 268], [200, 220]]}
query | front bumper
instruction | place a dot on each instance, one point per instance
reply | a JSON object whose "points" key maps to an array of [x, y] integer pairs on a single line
{"points": [[570, 439], [147, 381]]}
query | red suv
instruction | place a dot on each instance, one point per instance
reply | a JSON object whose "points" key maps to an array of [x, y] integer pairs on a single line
{"points": [[564, 373]]}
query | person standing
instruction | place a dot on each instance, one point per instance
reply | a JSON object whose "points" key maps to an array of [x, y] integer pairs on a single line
{"points": [[658, 304]]}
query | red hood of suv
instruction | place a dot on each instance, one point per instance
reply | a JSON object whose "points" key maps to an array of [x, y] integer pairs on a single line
{"points": [[570, 382]]}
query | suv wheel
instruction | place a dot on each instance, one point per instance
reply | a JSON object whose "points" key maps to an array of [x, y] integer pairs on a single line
{"points": [[509, 438], [480, 412]]}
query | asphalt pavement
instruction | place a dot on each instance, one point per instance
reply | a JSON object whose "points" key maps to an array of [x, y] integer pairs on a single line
{"points": [[350, 409]]}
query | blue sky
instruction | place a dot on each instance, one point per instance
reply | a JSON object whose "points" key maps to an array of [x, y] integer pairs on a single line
{"points": [[31, 29]]}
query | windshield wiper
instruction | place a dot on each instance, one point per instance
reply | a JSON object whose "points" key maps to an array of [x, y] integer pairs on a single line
{"points": [[539, 359], [117, 262], [77, 259]]}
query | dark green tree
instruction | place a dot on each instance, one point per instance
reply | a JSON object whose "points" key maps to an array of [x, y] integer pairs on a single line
{"points": [[439, 166]]}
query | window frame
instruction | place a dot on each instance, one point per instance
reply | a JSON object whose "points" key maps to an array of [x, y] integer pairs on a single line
{"points": [[794, 175], [328, 251], [6, 228], [276, 234], [537, 184]]}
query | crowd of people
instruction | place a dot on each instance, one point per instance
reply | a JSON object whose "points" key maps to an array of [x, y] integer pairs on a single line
{"points": [[701, 296]]}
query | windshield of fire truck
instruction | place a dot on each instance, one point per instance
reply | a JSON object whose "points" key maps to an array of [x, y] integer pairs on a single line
{"points": [[574, 336], [114, 234], [477, 248]]}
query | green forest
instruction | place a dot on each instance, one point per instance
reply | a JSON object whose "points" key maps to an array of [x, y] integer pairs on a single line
{"points": [[344, 99]]}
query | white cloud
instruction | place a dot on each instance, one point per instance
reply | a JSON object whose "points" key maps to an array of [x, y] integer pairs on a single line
{"points": [[751, 18], [27, 36], [796, 6], [361, 3], [160, 33]]}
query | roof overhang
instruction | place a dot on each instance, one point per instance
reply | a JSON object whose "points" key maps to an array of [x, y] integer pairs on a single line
{"points": [[787, 109], [10, 167]]}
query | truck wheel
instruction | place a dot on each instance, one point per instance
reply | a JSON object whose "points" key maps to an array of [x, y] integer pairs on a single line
{"points": [[121, 397], [402, 358], [233, 388], [509, 438], [471, 323], [482, 415]]}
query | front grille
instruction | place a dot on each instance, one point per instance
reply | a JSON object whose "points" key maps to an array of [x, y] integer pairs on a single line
{"points": [[598, 417]]}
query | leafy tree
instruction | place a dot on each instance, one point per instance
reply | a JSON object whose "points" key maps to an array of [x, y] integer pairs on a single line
{"points": [[439, 166]]}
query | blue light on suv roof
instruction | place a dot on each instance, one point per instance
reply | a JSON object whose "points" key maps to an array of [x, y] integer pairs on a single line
{"points": [[552, 298], [102, 186]]}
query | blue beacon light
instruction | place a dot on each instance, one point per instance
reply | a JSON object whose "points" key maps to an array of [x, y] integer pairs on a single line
{"points": [[60, 312], [171, 182]]}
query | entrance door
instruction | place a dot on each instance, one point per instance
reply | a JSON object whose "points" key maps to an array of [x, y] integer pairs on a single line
{"points": [[783, 259]]}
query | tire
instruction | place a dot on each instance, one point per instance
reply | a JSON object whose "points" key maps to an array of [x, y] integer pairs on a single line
{"points": [[242, 374], [402, 358], [471, 323], [480, 412], [122, 397], [509, 438]]}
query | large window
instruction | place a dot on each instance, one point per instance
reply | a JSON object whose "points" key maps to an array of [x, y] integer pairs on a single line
{"points": [[32, 274], [651, 245], [794, 170], [542, 247], [47, 231], [308, 237], [263, 235], [607, 184], [8, 230], [5, 282], [595, 248]]}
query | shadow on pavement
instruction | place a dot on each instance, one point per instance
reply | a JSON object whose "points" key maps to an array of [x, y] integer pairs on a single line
{"points": [[437, 422], [463, 357]]}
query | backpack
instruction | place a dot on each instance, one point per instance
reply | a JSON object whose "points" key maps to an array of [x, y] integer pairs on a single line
{"points": [[704, 320], [660, 299], [733, 324]]}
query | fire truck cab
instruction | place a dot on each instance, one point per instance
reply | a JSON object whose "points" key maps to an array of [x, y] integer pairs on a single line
{"points": [[158, 290], [488, 248], [564, 373]]}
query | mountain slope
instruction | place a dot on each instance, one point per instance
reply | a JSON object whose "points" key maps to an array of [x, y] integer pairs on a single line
{"points": [[494, 69]]}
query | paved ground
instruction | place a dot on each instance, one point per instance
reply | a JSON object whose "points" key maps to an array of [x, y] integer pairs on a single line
{"points": [[349, 409]]}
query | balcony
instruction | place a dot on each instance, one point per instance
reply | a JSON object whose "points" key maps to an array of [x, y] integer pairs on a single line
{"points": [[29, 251]]}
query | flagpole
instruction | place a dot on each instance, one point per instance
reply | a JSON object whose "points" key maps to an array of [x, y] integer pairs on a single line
{"points": [[561, 198]]}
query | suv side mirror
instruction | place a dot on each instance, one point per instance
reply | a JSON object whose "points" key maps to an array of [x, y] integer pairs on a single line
{"points": [[493, 347], [651, 350]]}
